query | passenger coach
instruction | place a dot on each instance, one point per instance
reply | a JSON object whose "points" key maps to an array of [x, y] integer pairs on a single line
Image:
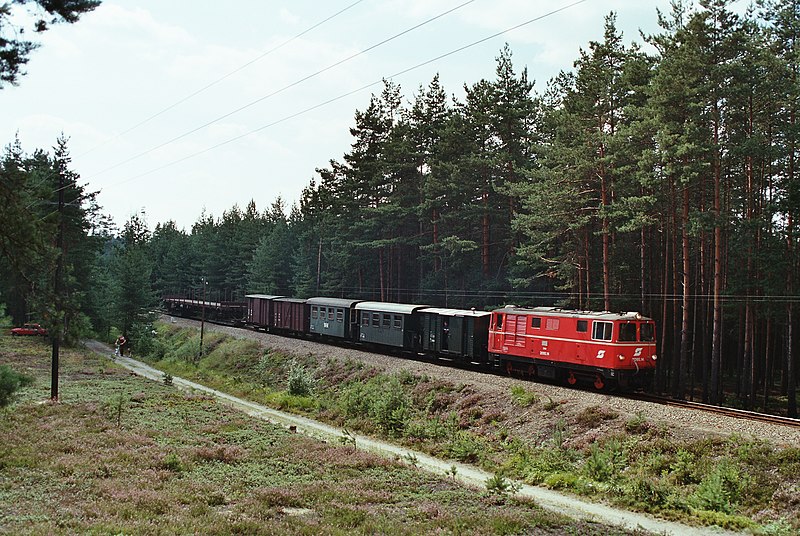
{"points": [[604, 348]]}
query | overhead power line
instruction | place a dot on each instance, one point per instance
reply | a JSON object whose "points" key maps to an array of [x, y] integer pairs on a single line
{"points": [[223, 77], [334, 99], [288, 86]]}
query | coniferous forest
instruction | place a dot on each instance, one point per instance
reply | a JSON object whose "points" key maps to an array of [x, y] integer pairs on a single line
{"points": [[660, 177]]}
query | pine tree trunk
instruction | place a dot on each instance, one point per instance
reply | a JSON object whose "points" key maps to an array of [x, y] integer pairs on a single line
{"points": [[485, 237], [716, 341], [686, 304], [606, 239], [791, 382]]}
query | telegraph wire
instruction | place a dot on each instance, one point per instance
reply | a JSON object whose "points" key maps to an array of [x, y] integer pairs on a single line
{"points": [[334, 99], [289, 86], [220, 79]]}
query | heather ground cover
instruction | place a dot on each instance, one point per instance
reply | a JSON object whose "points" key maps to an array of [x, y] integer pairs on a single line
{"points": [[734, 482], [119, 454]]}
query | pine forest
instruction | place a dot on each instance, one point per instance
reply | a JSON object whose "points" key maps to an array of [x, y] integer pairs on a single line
{"points": [[661, 177]]}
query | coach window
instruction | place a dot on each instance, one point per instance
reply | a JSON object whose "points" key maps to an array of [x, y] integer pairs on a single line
{"points": [[314, 312], [339, 315], [376, 320], [364, 318], [398, 321], [536, 322], [387, 321], [646, 333], [627, 332], [602, 331], [330, 313], [583, 326]]}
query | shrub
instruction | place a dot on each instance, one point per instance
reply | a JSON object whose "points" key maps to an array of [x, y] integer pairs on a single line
{"points": [[300, 381], [720, 490], [592, 416], [465, 447], [391, 408], [500, 485], [172, 462], [11, 382], [522, 397]]}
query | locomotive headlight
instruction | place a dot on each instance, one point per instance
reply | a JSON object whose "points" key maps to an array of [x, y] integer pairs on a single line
{"points": [[621, 357], [654, 357]]}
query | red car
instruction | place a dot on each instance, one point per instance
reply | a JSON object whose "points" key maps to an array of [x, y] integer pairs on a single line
{"points": [[29, 329]]}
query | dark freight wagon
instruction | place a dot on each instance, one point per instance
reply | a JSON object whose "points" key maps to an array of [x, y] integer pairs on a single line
{"points": [[333, 317], [290, 315], [459, 334], [259, 309], [390, 324]]}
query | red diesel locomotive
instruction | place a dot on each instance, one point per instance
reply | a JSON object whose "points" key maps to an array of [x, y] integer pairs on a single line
{"points": [[605, 348]]}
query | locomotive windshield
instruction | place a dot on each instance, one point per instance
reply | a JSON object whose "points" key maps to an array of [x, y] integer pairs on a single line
{"points": [[627, 332], [646, 333]]}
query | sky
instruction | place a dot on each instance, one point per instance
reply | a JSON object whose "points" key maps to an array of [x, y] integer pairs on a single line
{"points": [[178, 108]]}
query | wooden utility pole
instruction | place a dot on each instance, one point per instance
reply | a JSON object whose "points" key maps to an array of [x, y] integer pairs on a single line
{"points": [[57, 284], [203, 317]]}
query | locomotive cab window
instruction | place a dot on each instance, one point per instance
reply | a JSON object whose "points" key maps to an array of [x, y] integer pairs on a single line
{"points": [[536, 322], [627, 332], [646, 333], [583, 326], [499, 322], [602, 331]]}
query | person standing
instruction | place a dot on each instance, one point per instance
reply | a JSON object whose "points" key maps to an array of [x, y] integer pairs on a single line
{"points": [[119, 345]]}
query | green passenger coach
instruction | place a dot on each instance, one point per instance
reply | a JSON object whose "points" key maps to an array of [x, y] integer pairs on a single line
{"points": [[390, 324], [334, 317]]}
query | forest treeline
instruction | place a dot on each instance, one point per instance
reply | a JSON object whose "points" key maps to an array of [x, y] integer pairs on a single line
{"points": [[658, 177]]}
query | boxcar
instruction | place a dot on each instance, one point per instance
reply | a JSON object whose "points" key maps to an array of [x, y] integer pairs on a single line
{"points": [[333, 317], [390, 324], [455, 333], [228, 311], [260, 309], [602, 347], [289, 315]]}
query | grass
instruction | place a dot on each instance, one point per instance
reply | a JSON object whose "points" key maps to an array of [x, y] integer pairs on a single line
{"points": [[122, 455], [735, 483]]}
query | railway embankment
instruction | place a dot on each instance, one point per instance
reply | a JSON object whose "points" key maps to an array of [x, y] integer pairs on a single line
{"points": [[475, 477], [670, 462]]}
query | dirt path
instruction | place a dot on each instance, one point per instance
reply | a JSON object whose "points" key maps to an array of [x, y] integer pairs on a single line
{"points": [[564, 504]]}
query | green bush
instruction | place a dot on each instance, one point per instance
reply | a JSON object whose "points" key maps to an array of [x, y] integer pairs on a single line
{"points": [[300, 381], [499, 485], [604, 464], [11, 382], [720, 490], [523, 397], [465, 447]]}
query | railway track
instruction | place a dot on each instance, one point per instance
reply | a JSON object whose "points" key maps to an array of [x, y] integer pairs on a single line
{"points": [[643, 397], [719, 410]]}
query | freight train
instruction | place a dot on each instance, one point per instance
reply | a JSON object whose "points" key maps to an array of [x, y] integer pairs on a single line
{"points": [[602, 349]]}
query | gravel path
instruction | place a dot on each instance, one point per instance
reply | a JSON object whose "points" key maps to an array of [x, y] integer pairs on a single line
{"points": [[686, 423]]}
